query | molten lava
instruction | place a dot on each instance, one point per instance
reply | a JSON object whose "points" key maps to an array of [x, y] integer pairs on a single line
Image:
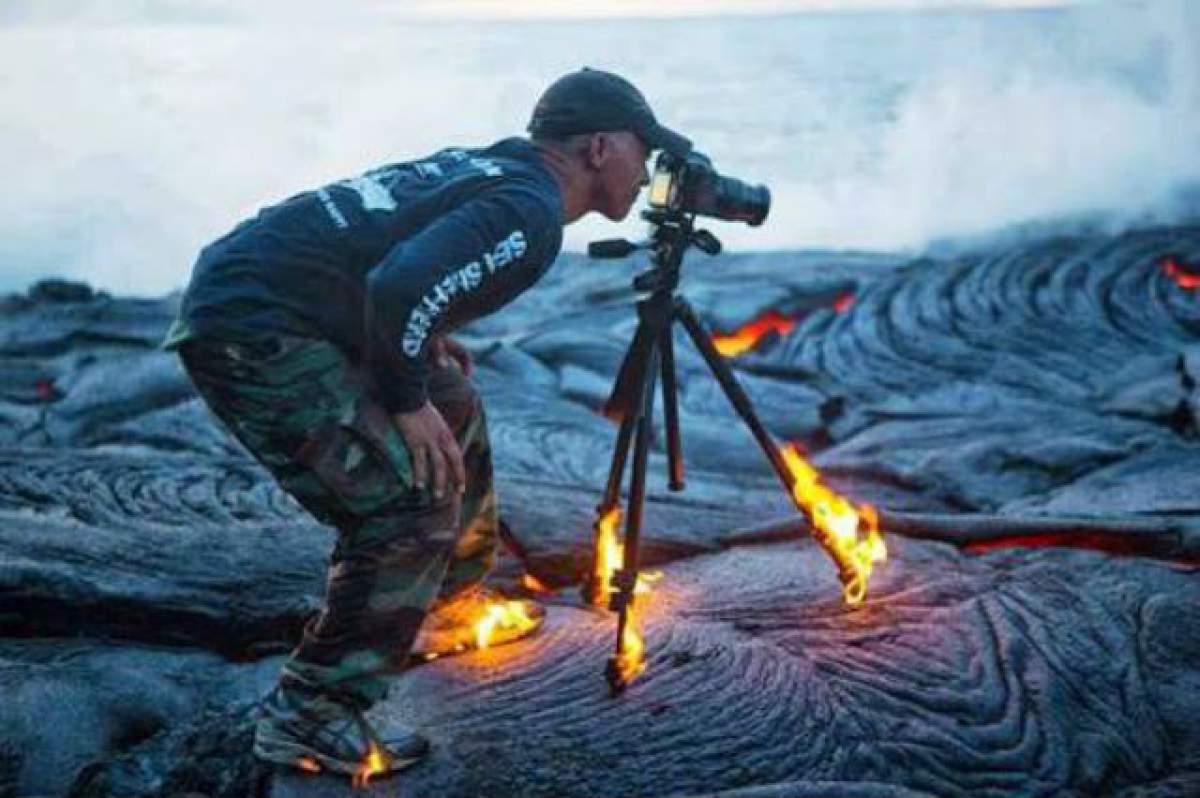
{"points": [[46, 390], [849, 534], [748, 335], [1182, 276]]}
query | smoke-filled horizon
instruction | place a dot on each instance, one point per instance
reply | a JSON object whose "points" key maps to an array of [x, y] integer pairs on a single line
{"points": [[129, 144]]}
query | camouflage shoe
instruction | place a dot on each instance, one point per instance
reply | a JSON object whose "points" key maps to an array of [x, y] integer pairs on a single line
{"points": [[344, 744], [478, 618]]}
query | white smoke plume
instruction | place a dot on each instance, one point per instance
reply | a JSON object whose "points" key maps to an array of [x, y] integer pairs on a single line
{"points": [[134, 132]]}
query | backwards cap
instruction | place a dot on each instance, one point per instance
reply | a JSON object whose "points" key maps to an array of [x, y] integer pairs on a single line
{"points": [[592, 100]]}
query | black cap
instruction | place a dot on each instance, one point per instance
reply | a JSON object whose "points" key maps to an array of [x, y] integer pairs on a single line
{"points": [[592, 100]]}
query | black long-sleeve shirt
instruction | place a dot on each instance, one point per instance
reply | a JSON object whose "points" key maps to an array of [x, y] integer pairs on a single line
{"points": [[379, 263]]}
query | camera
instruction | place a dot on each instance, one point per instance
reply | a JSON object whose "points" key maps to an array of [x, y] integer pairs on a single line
{"points": [[692, 185]]}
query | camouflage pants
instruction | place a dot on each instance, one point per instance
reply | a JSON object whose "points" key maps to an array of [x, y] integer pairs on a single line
{"points": [[300, 407]]}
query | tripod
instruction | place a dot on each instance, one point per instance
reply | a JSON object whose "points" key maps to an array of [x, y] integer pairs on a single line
{"points": [[651, 355]]}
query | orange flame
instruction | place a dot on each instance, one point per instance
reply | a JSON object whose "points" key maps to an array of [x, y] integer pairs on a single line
{"points": [[1182, 277], [631, 656], [309, 764], [532, 583], [836, 525], [507, 615], [373, 764], [748, 335], [608, 558]]}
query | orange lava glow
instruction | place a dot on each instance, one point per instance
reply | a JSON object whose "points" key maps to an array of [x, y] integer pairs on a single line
{"points": [[501, 615], [748, 335], [1115, 543], [374, 764], [45, 389], [1183, 277], [849, 534]]}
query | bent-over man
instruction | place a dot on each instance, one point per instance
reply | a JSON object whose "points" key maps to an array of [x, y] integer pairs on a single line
{"points": [[316, 333]]}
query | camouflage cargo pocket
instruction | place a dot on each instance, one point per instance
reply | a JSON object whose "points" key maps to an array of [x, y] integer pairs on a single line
{"points": [[362, 459], [300, 407]]}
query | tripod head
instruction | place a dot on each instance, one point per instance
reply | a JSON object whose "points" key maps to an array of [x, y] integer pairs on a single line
{"points": [[672, 233]]}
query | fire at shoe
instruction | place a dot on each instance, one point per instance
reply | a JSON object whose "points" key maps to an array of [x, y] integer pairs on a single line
{"points": [[477, 620]]}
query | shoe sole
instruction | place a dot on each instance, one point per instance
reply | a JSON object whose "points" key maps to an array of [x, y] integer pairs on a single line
{"points": [[294, 755]]}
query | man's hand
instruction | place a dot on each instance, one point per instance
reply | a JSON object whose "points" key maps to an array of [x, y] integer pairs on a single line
{"points": [[444, 350], [433, 449]]}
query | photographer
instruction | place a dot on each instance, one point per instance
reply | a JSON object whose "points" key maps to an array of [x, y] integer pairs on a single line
{"points": [[316, 332]]}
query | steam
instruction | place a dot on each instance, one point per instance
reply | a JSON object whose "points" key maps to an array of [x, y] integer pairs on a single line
{"points": [[128, 142], [990, 139]]}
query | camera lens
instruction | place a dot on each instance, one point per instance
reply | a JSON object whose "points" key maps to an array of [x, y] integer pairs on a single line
{"points": [[732, 200]]}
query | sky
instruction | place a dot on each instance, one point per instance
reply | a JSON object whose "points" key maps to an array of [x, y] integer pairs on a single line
{"points": [[133, 132], [109, 10]]}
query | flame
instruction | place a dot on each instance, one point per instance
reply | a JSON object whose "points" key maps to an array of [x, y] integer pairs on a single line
{"points": [[748, 335], [631, 656], [373, 764], [507, 614], [309, 764], [608, 558], [1183, 277], [836, 524], [532, 583]]}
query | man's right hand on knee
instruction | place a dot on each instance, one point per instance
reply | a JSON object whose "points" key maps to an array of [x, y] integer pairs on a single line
{"points": [[433, 449]]}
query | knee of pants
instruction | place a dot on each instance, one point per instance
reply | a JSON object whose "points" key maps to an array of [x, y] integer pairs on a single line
{"points": [[395, 538], [452, 393]]}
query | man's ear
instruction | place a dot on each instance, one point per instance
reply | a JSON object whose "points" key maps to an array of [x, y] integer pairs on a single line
{"points": [[599, 150]]}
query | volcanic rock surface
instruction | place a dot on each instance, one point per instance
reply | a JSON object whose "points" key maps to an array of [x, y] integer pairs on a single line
{"points": [[1024, 414]]}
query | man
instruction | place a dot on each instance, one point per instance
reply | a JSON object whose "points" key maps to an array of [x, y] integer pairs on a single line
{"points": [[316, 332]]}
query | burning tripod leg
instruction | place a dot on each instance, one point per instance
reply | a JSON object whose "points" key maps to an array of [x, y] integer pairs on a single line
{"points": [[627, 662], [849, 534], [632, 402]]}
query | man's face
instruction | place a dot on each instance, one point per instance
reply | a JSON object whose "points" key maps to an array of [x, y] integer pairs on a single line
{"points": [[621, 165]]}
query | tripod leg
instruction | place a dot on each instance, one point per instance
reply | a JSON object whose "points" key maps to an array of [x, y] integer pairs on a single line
{"points": [[626, 393], [623, 405], [637, 485], [626, 664], [612, 490], [595, 587], [671, 411], [733, 390]]}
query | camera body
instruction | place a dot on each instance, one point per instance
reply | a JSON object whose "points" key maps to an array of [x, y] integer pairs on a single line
{"points": [[693, 185]]}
